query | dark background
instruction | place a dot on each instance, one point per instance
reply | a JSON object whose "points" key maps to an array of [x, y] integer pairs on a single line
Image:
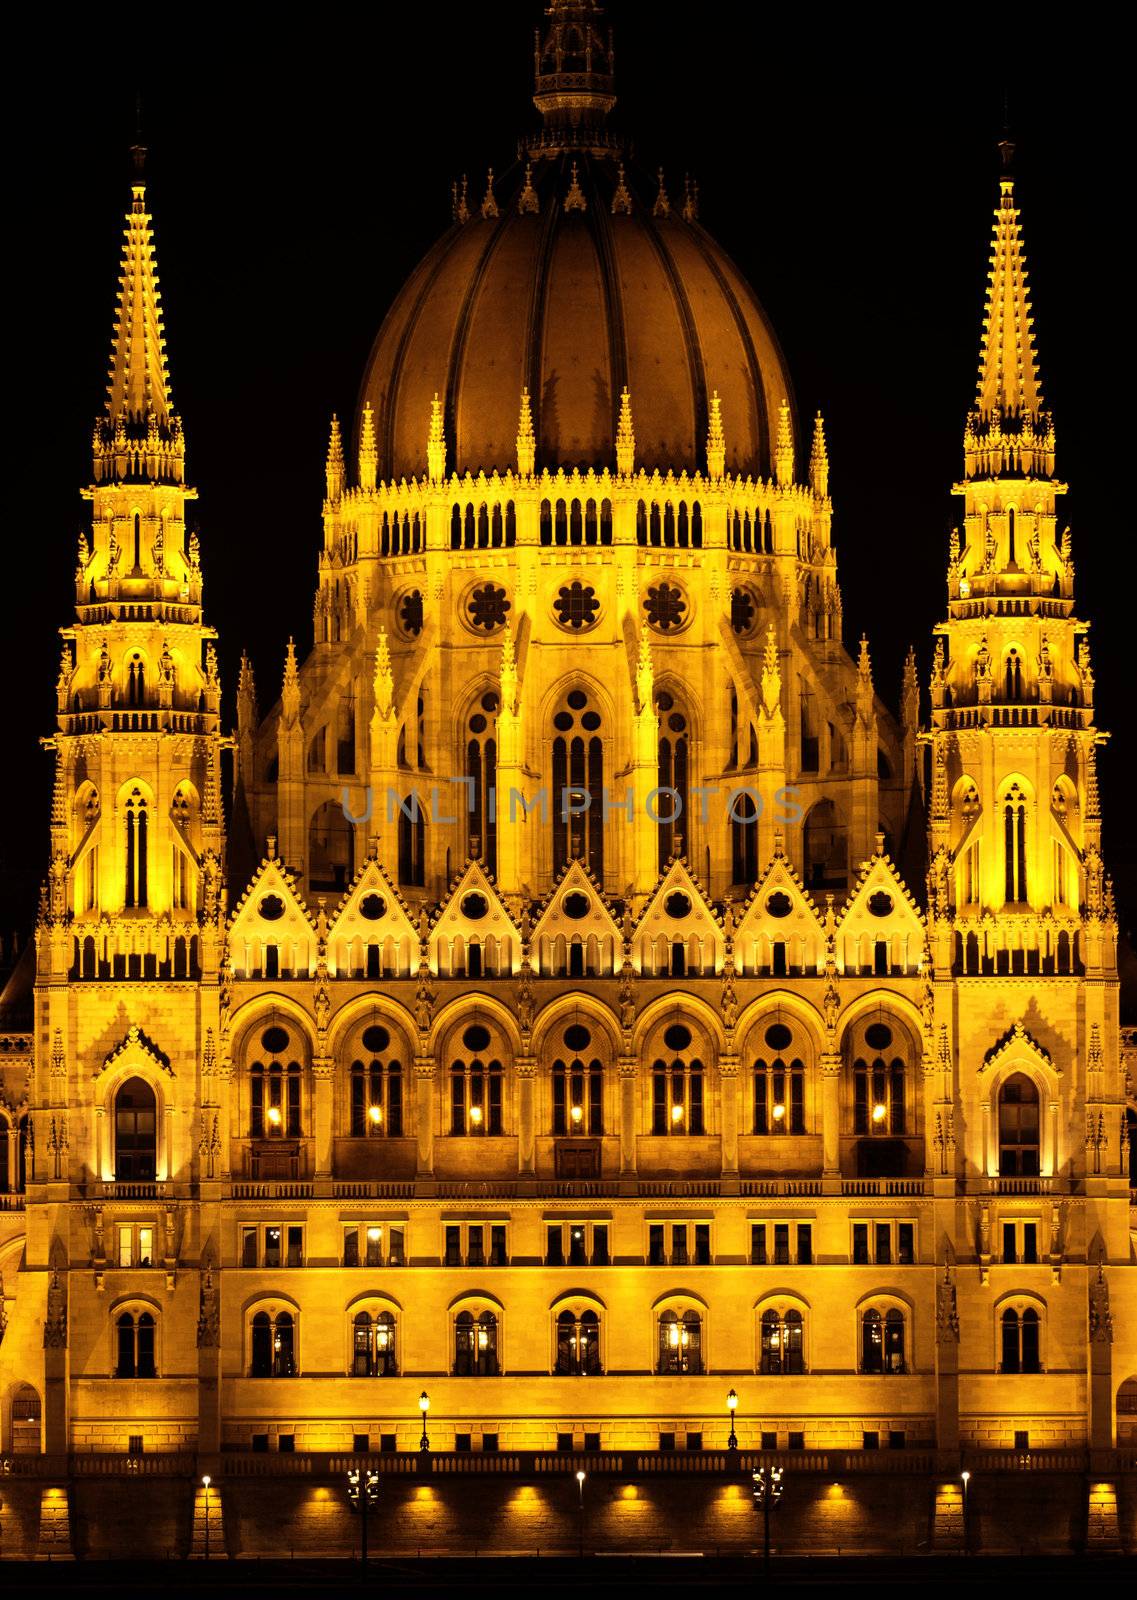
{"points": [[299, 170]]}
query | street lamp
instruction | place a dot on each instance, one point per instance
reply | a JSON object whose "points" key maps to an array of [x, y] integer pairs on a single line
{"points": [[424, 1407], [206, 1480], [732, 1407], [767, 1493], [580, 1477], [363, 1493], [965, 1479]]}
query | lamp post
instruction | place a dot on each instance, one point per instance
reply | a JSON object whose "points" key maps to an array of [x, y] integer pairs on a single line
{"points": [[965, 1479], [580, 1477], [363, 1493], [205, 1482], [424, 1407], [767, 1493], [732, 1407]]}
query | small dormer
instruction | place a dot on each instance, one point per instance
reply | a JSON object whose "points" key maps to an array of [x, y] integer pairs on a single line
{"points": [[576, 935], [474, 935], [678, 934], [881, 930], [372, 934], [271, 935], [779, 932]]}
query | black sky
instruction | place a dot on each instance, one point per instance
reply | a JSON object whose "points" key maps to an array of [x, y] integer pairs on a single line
{"points": [[299, 171]]}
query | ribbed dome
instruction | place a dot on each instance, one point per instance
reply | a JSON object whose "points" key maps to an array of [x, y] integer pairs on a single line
{"points": [[573, 302]]}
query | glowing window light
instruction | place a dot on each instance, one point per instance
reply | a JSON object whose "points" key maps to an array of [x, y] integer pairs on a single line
{"points": [[779, 1113], [577, 1113], [374, 1235], [376, 1115], [274, 1116], [475, 1115], [677, 1113], [879, 1112]]}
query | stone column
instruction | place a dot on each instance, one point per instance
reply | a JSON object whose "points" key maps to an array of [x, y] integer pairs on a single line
{"points": [[424, 1115], [728, 1085], [831, 1113], [323, 1101], [526, 1070], [627, 1067]]}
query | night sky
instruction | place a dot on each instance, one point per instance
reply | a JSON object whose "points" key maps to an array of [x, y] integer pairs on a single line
{"points": [[296, 179]]}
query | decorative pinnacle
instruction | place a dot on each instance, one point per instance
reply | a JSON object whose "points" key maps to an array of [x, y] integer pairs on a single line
{"points": [[910, 692], [436, 443], [645, 676], [290, 692], [625, 437], [334, 471], [575, 199], [508, 672], [489, 204], [622, 199], [526, 441], [662, 206], [1093, 792], [528, 204], [246, 695], [771, 674], [690, 201], [716, 439], [461, 199], [368, 449], [784, 449], [819, 459], [1008, 385], [384, 679]]}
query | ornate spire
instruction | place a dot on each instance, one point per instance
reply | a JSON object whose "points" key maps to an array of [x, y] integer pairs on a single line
{"points": [[910, 693], [139, 434], [865, 693], [575, 86], [489, 204], [645, 676], [528, 203], [368, 450], [819, 459], [384, 678], [784, 449], [771, 674], [436, 444], [526, 441], [334, 470], [716, 439], [290, 692], [508, 671], [662, 206], [690, 201], [575, 200], [246, 695], [625, 437], [622, 199]]}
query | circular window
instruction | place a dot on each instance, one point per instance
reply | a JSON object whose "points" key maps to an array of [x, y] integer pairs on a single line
{"points": [[478, 723], [880, 904], [476, 1037], [376, 1038], [677, 904], [271, 908], [577, 1037], [576, 606], [778, 1036], [590, 720], [274, 1040], [563, 721], [665, 607], [878, 1036], [489, 702], [743, 611], [577, 700], [677, 1037], [410, 613], [474, 906], [488, 607], [677, 723], [779, 904], [663, 700], [372, 906], [576, 906]]}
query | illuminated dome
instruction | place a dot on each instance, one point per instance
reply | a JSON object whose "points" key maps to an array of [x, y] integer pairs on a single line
{"points": [[573, 276]]}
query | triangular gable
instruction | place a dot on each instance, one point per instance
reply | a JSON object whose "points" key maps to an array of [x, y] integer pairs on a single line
{"points": [[576, 913], [880, 911], [372, 932], [271, 917], [1019, 1046], [697, 929], [136, 1049], [463, 926], [765, 921]]}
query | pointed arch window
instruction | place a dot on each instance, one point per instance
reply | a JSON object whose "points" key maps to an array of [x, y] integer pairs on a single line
{"points": [[134, 1345], [1014, 846], [672, 779], [274, 1088], [578, 784], [1020, 1344], [779, 1084], [373, 1353], [476, 1086], [743, 837], [1019, 1128], [578, 1086], [136, 681], [376, 1088], [680, 1342], [1013, 676], [135, 1132], [481, 771], [136, 889], [578, 1344], [677, 1086]]}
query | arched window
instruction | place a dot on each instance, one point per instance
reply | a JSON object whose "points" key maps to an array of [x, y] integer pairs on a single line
{"points": [[1019, 1128], [882, 1341], [376, 1087], [578, 1344], [475, 1345], [680, 1342], [412, 841], [135, 1132], [578, 784], [672, 779], [136, 891], [135, 681], [373, 1345], [1014, 845], [476, 1086], [331, 849], [134, 1346], [779, 1083], [781, 1341], [1021, 1349], [677, 1085], [273, 1345], [26, 1422], [881, 1061], [274, 1088], [578, 1085], [1013, 676], [481, 771], [826, 848], [743, 815]]}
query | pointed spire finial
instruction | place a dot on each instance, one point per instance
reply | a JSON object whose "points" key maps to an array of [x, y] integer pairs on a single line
{"points": [[784, 449], [662, 206], [771, 674], [575, 199], [625, 437], [528, 204], [819, 459], [334, 470], [290, 691], [489, 203], [622, 199], [526, 440], [910, 693], [645, 675], [368, 449], [436, 443], [716, 439], [384, 682], [690, 201], [462, 200], [246, 695]]}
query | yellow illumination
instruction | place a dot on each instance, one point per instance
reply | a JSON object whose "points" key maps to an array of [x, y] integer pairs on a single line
{"points": [[677, 1113], [879, 1113], [964, 588], [475, 1114], [374, 1235], [577, 1113], [376, 1114], [779, 1113], [274, 1116]]}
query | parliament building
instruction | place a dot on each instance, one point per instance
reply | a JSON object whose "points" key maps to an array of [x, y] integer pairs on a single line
{"points": [[630, 1009]]}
